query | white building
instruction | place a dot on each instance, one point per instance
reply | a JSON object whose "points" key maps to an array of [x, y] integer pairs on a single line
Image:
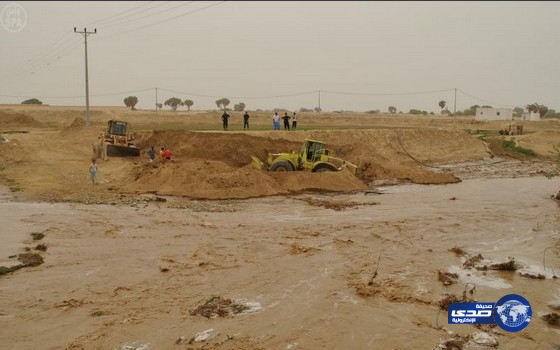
{"points": [[531, 116], [494, 113]]}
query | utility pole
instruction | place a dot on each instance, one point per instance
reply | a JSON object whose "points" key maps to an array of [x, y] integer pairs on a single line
{"points": [[319, 104], [156, 102], [455, 104], [85, 33]]}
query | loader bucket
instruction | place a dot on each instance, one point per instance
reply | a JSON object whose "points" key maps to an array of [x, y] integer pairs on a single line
{"points": [[351, 167], [257, 163]]}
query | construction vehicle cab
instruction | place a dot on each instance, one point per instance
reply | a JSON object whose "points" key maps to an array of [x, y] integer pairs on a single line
{"points": [[118, 140], [314, 156]]}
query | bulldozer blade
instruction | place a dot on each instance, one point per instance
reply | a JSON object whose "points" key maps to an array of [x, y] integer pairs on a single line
{"points": [[257, 163], [122, 151]]}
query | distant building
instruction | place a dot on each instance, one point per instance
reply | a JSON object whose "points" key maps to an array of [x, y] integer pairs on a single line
{"points": [[485, 113], [531, 116]]}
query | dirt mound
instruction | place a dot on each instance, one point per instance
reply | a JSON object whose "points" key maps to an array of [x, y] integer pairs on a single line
{"points": [[219, 165], [12, 121], [77, 123], [544, 143]]}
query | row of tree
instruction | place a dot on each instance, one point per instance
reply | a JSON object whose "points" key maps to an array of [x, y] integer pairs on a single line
{"points": [[223, 103]]}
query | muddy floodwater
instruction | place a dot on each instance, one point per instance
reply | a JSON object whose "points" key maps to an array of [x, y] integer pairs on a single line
{"points": [[129, 277]]}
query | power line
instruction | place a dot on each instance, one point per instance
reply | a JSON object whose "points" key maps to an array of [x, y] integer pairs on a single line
{"points": [[66, 45], [57, 50], [126, 13], [78, 96], [483, 100], [159, 22], [184, 93], [36, 57], [387, 94], [149, 14], [242, 97], [44, 59]]}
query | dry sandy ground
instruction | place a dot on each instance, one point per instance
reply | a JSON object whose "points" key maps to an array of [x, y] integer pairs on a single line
{"points": [[290, 253]]}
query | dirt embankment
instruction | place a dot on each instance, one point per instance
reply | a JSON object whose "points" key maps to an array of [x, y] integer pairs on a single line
{"points": [[217, 165]]}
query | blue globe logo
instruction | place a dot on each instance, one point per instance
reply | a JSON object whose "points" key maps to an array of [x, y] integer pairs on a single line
{"points": [[512, 313]]}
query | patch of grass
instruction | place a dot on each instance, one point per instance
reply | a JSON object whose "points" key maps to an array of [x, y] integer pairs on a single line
{"points": [[557, 161], [97, 313], [511, 145], [508, 148], [11, 183]]}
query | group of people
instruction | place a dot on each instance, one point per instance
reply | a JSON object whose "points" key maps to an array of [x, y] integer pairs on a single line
{"points": [[164, 153], [225, 121], [275, 121], [99, 148], [286, 119]]}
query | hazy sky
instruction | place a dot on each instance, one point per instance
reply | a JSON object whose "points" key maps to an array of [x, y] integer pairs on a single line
{"points": [[354, 56]]}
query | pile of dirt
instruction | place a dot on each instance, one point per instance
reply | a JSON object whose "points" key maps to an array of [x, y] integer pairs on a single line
{"points": [[544, 143], [77, 123], [17, 121], [219, 165]]}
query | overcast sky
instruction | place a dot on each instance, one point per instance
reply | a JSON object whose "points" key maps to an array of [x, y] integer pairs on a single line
{"points": [[353, 56]]}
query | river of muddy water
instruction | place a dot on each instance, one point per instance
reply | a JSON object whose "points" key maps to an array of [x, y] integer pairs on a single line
{"points": [[305, 260]]}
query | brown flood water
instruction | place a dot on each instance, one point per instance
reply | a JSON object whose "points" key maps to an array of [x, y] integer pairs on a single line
{"points": [[126, 277]]}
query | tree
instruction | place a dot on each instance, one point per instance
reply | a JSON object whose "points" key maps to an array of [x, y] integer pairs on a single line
{"points": [[517, 112], [442, 104], [222, 103], [537, 108], [240, 107], [551, 113], [317, 109], [173, 102], [32, 101], [188, 103], [159, 105], [472, 110], [131, 102], [392, 109]]}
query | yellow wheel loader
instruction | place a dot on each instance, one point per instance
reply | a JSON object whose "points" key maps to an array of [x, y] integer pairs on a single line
{"points": [[314, 156], [119, 142]]}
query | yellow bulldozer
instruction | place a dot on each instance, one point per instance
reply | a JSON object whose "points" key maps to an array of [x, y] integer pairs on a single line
{"points": [[313, 156], [117, 139]]}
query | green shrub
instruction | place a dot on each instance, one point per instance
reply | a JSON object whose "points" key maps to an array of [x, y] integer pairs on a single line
{"points": [[510, 144]]}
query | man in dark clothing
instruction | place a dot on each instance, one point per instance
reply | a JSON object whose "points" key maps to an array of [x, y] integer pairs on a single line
{"points": [[246, 121], [286, 118], [225, 118], [152, 154]]}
